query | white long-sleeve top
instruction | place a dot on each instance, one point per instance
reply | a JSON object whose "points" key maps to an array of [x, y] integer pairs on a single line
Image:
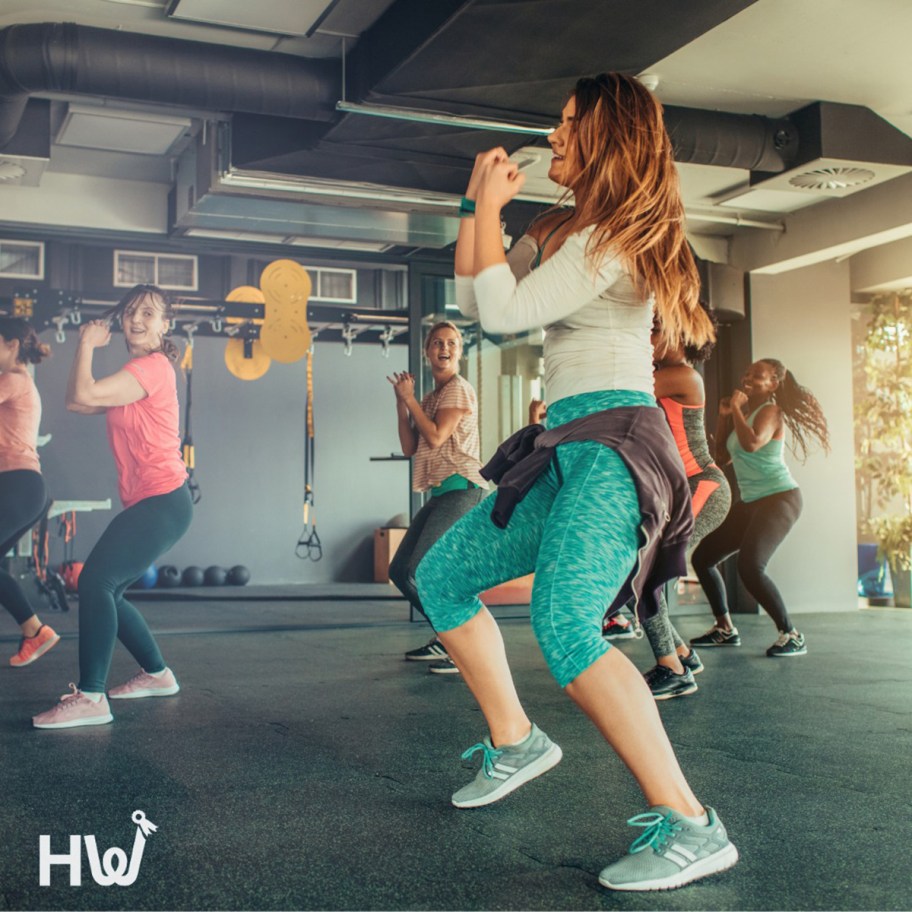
{"points": [[597, 323]]}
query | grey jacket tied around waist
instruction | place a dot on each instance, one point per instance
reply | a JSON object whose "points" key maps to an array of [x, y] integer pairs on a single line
{"points": [[641, 437]]}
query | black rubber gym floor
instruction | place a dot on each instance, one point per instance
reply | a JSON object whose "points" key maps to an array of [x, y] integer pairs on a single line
{"points": [[304, 765]]}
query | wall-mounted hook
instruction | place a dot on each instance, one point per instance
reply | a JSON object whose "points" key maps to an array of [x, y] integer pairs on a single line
{"points": [[349, 334], [75, 316], [386, 337], [216, 324], [60, 321], [189, 331]]}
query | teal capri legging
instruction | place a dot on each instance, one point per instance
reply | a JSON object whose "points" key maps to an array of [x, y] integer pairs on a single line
{"points": [[578, 529]]}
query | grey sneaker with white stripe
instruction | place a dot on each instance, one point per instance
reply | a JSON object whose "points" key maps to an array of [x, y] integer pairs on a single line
{"points": [[505, 769], [672, 851]]}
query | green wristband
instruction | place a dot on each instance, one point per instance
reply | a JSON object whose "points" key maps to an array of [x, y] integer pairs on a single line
{"points": [[466, 207]]}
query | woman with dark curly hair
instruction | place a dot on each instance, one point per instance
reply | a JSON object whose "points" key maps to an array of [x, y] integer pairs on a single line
{"points": [[679, 391], [139, 403], [751, 434]]}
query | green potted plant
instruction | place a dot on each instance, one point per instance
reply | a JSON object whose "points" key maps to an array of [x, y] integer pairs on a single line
{"points": [[883, 422]]}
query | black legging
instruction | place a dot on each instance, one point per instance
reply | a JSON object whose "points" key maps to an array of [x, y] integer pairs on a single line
{"points": [[753, 530], [23, 501]]}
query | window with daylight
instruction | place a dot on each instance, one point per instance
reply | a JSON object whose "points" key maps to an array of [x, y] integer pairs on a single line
{"points": [[21, 259], [171, 271], [338, 286]]}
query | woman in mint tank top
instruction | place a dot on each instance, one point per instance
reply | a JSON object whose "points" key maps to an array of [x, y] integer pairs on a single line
{"points": [[751, 435]]}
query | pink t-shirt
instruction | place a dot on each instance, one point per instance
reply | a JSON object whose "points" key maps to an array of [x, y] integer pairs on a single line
{"points": [[145, 435], [20, 416]]}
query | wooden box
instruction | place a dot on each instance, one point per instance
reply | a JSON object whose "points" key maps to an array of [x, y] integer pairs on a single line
{"points": [[386, 543]]}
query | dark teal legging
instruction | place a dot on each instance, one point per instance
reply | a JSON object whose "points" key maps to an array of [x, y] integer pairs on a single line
{"points": [[135, 539]]}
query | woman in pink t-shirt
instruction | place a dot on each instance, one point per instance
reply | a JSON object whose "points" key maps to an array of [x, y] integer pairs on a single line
{"points": [[140, 406], [23, 495]]}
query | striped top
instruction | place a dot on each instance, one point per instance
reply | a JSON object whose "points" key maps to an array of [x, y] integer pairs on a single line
{"points": [[686, 423], [460, 454]]}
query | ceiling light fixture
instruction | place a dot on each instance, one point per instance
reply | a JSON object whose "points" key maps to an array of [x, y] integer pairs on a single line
{"points": [[433, 117]]}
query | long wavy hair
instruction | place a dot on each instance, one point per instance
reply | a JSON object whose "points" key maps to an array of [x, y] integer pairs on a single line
{"points": [[136, 297], [31, 349], [627, 187], [800, 409]]}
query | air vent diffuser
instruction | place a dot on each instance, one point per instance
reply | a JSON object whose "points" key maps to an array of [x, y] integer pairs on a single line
{"points": [[837, 178]]}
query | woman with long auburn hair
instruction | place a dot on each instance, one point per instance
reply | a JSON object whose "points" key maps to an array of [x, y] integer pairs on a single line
{"points": [[598, 504], [141, 412], [750, 434]]}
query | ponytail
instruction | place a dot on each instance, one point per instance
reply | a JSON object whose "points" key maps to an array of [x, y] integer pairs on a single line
{"points": [[801, 411], [31, 349]]}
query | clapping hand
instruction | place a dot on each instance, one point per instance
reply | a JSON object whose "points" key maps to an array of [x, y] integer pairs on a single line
{"points": [[403, 385]]}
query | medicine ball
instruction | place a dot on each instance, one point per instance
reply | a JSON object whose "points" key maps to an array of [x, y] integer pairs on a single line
{"points": [[148, 579], [168, 576], [215, 576], [238, 575], [192, 576]]}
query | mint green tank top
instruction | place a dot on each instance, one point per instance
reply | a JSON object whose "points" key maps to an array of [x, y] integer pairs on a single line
{"points": [[762, 473]]}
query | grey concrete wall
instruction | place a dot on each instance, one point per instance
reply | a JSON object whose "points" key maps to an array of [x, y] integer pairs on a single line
{"points": [[249, 439]]}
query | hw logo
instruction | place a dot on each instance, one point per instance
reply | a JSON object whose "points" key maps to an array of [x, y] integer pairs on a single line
{"points": [[112, 868]]}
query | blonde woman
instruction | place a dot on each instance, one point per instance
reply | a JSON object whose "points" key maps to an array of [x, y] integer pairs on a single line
{"points": [[440, 433]]}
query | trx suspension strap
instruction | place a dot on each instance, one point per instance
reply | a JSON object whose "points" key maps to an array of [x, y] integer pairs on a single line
{"points": [[309, 543], [187, 443]]}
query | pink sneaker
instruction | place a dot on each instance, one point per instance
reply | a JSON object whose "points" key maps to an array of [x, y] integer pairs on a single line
{"points": [[146, 685], [33, 647], [73, 710]]}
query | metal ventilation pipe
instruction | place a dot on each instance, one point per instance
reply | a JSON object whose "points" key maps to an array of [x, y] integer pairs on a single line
{"points": [[79, 60], [746, 141]]}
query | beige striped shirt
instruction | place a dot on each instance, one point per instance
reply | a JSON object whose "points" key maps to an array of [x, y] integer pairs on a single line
{"points": [[460, 454]]}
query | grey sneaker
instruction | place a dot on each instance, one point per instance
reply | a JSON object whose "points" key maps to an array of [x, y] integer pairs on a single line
{"points": [[665, 684], [505, 769], [692, 662], [672, 852]]}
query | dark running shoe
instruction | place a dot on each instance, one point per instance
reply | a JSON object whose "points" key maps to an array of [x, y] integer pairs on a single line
{"points": [[618, 628], [430, 652], [665, 684], [716, 636], [692, 662], [443, 667], [788, 644]]}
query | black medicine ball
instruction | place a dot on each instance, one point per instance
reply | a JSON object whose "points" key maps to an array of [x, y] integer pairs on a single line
{"points": [[238, 575], [192, 576], [168, 577], [215, 576]]}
